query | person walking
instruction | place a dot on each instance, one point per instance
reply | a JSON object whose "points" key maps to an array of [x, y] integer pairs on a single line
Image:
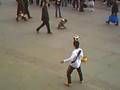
{"points": [[26, 4], [20, 10], [58, 8], [45, 19], [75, 63]]}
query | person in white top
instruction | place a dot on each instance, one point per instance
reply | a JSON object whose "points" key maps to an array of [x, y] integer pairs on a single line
{"points": [[75, 63], [91, 5]]}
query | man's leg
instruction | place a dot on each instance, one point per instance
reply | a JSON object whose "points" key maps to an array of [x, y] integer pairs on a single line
{"points": [[59, 12], [37, 2], [37, 30], [56, 7], [69, 71], [41, 3], [80, 74], [27, 12], [48, 27]]}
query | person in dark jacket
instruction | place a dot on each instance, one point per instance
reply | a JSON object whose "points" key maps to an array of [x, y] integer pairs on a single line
{"points": [[26, 4], [57, 7], [81, 9], [20, 10], [45, 19]]}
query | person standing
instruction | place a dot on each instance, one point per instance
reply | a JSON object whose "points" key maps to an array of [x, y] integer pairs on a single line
{"points": [[45, 19], [57, 7], [26, 4], [75, 63], [81, 9]]}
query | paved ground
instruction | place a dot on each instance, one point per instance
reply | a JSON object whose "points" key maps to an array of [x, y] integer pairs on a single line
{"points": [[32, 62]]}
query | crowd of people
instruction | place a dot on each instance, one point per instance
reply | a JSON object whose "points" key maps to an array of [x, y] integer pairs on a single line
{"points": [[23, 12]]}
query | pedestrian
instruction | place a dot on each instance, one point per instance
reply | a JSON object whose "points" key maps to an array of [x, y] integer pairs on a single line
{"points": [[113, 17], [20, 10], [26, 5], [58, 8], [45, 19], [75, 62], [91, 5], [81, 8], [75, 4], [31, 1]]}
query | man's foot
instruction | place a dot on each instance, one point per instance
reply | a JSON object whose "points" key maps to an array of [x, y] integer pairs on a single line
{"points": [[29, 17], [67, 84], [60, 16], [81, 81], [24, 18], [50, 33], [37, 30]]}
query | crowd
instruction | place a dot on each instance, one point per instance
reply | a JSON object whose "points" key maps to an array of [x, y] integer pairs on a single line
{"points": [[80, 5]]}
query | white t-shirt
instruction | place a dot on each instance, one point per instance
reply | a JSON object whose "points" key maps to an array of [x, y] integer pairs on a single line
{"points": [[77, 63]]}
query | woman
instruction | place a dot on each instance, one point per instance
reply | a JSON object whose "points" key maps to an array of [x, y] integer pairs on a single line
{"points": [[75, 62]]}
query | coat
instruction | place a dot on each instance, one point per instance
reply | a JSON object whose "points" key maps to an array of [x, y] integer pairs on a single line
{"points": [[45, 15]]}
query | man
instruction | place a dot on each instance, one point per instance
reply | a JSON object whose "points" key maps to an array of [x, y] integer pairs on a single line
{"points": [[81, 9], [26, 3], [45, 19], [75, 62], [57, 7], [20, 10]]}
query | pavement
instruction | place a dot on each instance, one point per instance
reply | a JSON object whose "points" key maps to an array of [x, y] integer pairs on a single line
{"points": [[30, 61]]}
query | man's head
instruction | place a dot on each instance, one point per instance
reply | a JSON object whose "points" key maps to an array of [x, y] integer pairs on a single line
{"points": [[76, 44]]}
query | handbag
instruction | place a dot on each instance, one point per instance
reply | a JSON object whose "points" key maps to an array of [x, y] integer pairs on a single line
{"points": [[84, 59]]}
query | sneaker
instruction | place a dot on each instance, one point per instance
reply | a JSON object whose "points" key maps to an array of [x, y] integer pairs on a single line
{"points": [[67, 84]]}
